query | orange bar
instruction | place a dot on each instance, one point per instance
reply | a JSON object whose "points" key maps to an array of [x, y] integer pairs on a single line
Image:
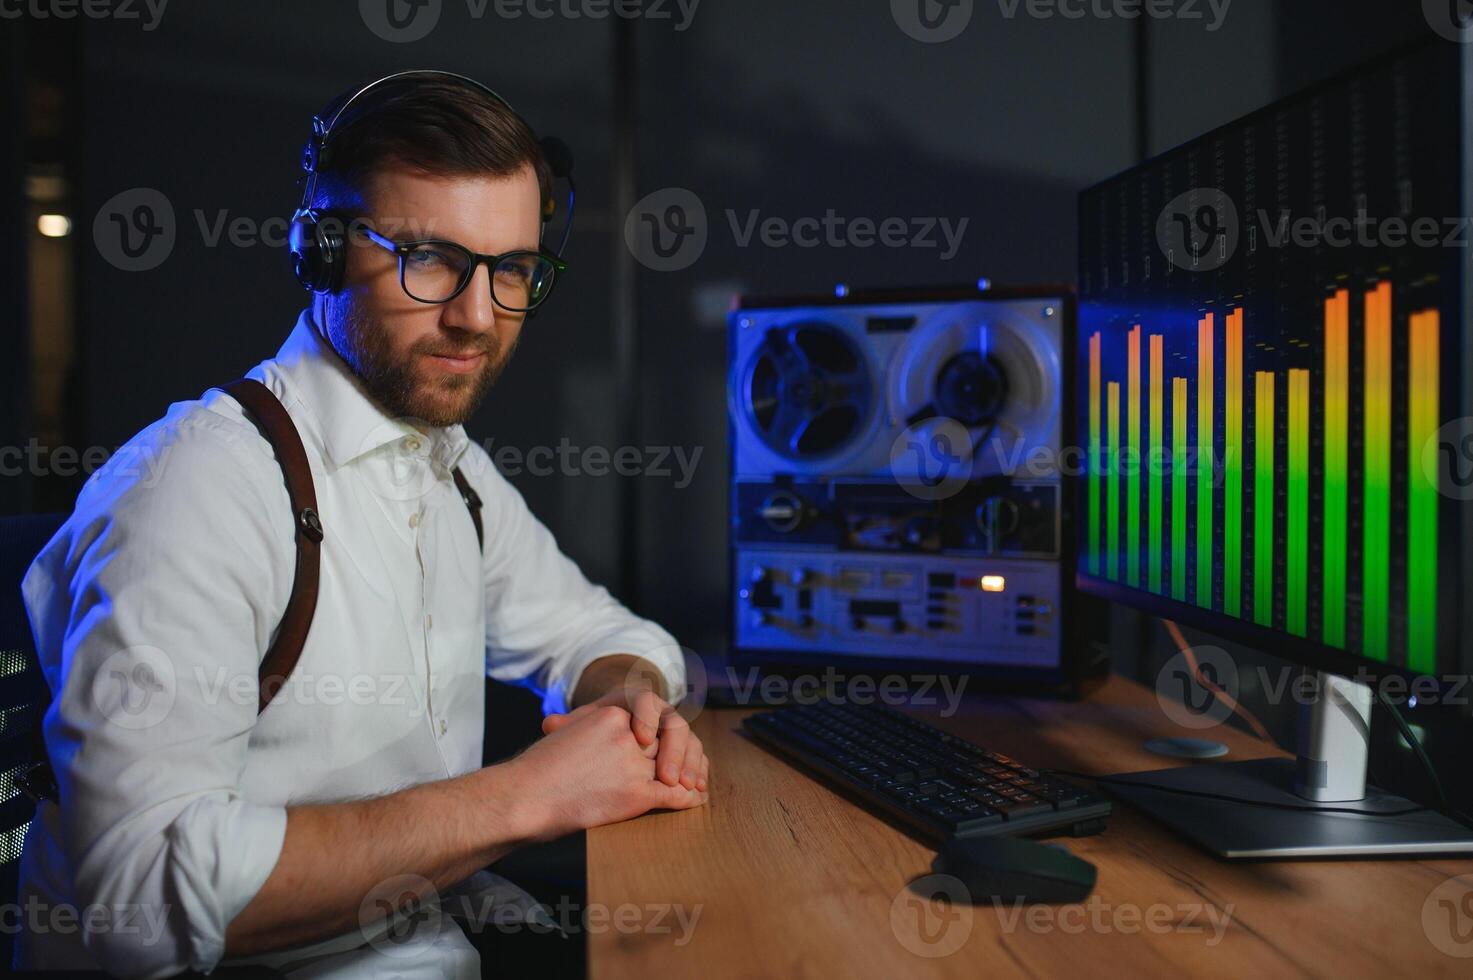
{"points": [[1376, 496], [1337, 465], [1423, 412], [1205, 457], [1232, 490], [1133, 459], [1095, 453]]}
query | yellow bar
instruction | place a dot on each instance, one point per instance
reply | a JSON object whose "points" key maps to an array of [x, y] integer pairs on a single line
{"points": [[1263, 499], [1422, 496], [1296, 550]]}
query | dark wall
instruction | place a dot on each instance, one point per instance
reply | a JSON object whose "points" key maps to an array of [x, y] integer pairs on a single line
{"points": [[14, 490]]}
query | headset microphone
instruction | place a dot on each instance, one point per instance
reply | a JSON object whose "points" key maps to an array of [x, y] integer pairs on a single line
{"points": [[560, 160]]}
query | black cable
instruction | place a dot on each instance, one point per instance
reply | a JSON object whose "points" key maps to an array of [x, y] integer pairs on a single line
{"points": [[1237, 799], [1444, 804]]}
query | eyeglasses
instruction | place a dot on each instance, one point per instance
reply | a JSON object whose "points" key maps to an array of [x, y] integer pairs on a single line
{"points": [[435, 271]]}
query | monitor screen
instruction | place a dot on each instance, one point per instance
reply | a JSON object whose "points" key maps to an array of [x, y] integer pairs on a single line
{"points": [[1269, 375]]}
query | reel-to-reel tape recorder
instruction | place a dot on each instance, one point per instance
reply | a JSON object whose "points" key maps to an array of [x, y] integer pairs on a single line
{"points": [[896, 481]]}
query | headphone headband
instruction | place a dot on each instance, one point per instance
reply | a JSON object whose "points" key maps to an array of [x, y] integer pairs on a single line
{"points": [[317, 253], [323, 130]]}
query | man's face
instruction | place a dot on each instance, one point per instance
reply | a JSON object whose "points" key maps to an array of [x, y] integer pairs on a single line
{"points": [[432, 361]]}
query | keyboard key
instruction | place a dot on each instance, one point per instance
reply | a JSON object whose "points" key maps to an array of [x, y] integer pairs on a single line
{"points": [[1013, 809], [977, 821]]}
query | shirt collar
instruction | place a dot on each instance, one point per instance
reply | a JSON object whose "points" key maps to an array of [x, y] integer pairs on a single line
{"points": [[347, 421]]}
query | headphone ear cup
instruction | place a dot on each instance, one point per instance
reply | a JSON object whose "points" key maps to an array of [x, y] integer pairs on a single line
{"points": [[318, 256], [303, 242], [332, 255]]}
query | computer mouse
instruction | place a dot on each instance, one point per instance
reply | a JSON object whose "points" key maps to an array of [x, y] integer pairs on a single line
{"points": [[1015, 869], [1187, 748]]}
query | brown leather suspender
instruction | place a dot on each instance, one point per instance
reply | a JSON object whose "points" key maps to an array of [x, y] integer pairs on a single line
{"points": [[261, 405], [276, 425], [472, 502]]}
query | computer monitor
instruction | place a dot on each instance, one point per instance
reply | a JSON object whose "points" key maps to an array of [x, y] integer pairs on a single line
{"points": [[1278, 430]]}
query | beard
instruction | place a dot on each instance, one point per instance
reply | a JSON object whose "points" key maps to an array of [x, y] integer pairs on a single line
{"points": [[397, 382]]}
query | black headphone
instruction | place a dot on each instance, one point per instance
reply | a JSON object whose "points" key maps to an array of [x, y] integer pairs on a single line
{"points": [[317, 245]]}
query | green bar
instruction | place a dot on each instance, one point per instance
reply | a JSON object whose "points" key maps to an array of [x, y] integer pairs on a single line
{"points": [[1296, 618], [1133, 461], [1205, 458], [1232, 490], [1179, 489], [1112, 486], [1094, 453], [1376, 497], [1153, 574], [1422, 502], [1263, 500], [1337, 464]]}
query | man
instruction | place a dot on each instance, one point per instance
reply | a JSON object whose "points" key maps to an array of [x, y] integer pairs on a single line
{"points": [[208, 833]]}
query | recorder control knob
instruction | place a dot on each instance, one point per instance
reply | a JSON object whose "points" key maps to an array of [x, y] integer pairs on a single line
{"points": [[783, 511]]}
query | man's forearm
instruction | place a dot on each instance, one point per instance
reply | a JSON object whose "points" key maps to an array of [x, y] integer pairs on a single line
{"points": [[335, 854], [614, 671]]}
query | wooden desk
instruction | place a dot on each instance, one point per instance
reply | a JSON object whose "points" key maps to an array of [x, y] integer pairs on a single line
{"points": [[792, 880]]}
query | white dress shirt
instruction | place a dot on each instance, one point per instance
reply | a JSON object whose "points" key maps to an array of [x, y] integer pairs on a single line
{"points": [[155, 603]]}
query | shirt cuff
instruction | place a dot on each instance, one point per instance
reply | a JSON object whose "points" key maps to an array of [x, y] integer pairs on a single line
{"points": [[216, 874], [649, 643]]}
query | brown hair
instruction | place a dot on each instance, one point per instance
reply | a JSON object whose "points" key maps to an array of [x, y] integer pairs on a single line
{"points": [[435, 125]]}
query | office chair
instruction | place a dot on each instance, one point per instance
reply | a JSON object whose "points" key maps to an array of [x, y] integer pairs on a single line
{"points": [[23, 693]]}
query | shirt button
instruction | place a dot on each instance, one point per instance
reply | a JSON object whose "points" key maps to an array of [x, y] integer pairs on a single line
{"points": [[429, 621], [414, 520], [412, 443], [443, 726]]}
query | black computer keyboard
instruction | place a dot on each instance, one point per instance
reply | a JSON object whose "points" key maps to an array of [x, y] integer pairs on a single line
{"points": [[933, 783]]}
